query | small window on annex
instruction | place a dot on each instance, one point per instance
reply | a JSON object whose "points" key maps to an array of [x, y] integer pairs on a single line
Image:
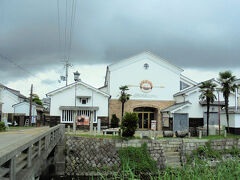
{"points": [[183, 85], [84, 101]]}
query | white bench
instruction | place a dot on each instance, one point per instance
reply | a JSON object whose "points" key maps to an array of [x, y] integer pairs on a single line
{"points": [[113, 131]]}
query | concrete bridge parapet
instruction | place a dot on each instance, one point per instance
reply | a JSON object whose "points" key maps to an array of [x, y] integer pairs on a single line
{"points": [[25, 159]]}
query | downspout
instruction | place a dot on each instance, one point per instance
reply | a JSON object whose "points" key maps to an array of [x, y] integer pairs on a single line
{"points": [[236, 99], [108, 110]]}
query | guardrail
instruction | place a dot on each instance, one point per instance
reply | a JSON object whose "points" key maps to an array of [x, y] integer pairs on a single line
{"points": [[23, 155]]}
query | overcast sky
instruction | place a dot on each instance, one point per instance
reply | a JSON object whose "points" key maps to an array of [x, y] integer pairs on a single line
{"points": [[200, 36]]}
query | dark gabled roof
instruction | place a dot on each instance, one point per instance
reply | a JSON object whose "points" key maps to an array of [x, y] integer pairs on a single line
{"points": [[175, 106], [15, 92]]}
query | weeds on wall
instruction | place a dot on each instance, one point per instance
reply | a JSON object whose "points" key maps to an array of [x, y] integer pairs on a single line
{"points": [[138, 159]]}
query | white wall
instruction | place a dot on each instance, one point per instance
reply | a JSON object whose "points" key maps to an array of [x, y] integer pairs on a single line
{"points": [[179, 99], [195, 110], [237, 120], [234, 120], [67, 98], [23, 108], [8, 100], [133, 74]]}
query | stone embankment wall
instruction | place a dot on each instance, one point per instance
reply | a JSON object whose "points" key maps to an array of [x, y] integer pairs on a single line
{"points": [[188, 145], [85, 155]]}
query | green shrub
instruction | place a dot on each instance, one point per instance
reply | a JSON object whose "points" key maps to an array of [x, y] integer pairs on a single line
{"points": [[114, 121], [129, 124], [2, 126], [137, 159]]}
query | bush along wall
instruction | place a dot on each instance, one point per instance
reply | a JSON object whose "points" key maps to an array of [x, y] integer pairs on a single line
{"points": [[2, 127]]}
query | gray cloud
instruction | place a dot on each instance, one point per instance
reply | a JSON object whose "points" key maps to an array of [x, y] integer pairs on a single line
{"points": [[48, 82], [199, 33]]}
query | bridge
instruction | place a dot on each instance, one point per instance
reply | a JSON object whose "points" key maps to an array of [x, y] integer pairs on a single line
{"points": [[26, 156]]}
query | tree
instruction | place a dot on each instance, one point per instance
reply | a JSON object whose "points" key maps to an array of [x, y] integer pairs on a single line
{"points": [[124, 96], [207, 89], [129, 124], [227, 82], [114, 121], [35, 98]]}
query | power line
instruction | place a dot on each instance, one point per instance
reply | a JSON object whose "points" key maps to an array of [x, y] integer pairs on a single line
{"points": [[66, 23], [59, 28], [72, 26], [17, 65]]}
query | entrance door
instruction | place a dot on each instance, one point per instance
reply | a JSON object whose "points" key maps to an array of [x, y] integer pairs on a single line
{"points": [[144, 119]]}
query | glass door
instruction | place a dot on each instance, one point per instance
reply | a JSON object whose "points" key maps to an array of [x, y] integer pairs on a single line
{"points": [[145, 120], [140, 115]]}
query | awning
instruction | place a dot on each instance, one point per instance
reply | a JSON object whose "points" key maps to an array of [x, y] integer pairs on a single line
{"points": [[176, 107], [79, 108], [215, 103]]}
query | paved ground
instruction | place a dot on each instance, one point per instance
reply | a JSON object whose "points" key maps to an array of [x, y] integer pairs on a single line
{"points": [[12, 136]]}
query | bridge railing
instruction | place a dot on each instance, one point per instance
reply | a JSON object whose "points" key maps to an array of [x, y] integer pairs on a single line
{"points": [[20, 157]]}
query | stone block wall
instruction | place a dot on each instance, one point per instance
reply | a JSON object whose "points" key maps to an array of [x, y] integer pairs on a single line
{"points": [[85, 155], [188, 145]]}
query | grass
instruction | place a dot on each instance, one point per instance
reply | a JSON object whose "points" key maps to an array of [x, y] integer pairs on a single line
{"points": [[20, 127]]}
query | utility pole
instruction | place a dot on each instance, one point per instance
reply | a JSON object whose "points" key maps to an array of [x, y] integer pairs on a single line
{"points": [[30, 109], [67, 65]]}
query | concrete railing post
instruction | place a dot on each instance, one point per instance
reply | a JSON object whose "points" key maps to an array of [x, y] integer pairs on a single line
{"points": [[225, 133], [13, 168], [29, 157], [68, 129], [200, 134], [189, 134], [94, 131], [39, 147]]}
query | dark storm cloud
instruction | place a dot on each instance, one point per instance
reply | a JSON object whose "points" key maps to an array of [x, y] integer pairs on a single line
{"points": [[188, 33]]}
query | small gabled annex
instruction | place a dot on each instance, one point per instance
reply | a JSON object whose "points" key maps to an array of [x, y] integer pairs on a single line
{"points": [[81, 98]]}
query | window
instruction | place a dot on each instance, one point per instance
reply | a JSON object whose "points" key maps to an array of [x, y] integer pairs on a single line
{"points": [[183, 85], [84, 101], [146, 66]]}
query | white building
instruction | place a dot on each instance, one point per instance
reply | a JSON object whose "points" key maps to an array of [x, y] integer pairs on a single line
{"points": [[87, 101], [24, 108], [193, 110], [158, 92], [9, 97], [152, 82]]}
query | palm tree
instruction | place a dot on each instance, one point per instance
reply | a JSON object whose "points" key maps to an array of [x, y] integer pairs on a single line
{"points": [[227, 82], [124, 96], [207, 89]]}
